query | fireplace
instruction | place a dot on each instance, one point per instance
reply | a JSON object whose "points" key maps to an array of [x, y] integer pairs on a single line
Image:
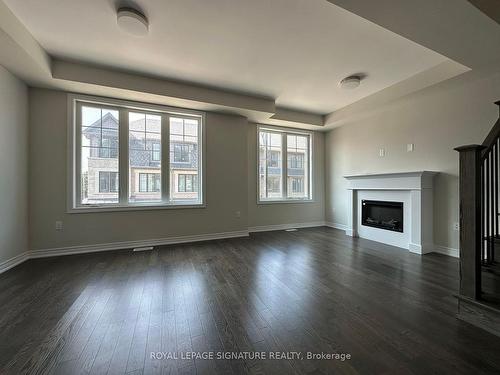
{"points": [[382, 214]]}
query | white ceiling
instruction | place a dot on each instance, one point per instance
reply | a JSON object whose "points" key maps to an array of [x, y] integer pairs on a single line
{"points": [[294, 51]]}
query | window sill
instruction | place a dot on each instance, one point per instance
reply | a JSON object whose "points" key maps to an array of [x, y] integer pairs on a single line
{"points": [[286, 201], [137, 207]]}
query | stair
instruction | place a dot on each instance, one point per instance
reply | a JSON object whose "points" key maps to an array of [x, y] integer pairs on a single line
{"points": [[479, 196], [479, 313]]}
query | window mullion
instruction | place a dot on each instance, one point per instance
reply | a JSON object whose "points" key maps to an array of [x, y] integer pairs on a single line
{"points": [[123, 159], [266, 176], [284, 164], [165, 158], [77, 152], [309, 167]]}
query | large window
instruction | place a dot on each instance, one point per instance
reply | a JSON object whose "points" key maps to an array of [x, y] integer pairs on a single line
{"points": [[284, 165], [126, 156]]}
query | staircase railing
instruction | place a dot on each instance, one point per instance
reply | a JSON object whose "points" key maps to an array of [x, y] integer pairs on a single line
{"points": [[479, 209]]}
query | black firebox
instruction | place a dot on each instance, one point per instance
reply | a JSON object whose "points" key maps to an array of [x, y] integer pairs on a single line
{"points": [[383, 215]]}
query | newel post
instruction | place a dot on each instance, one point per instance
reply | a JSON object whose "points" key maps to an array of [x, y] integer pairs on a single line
{"points": [[470, 220]]}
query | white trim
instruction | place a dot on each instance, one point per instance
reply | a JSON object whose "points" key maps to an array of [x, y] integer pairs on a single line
{"points": [[42, 253], [450, 251], [12, 262], [266, 228], [133, 207], [60, 251], [75, 101], [336, 225], [288, 200]]}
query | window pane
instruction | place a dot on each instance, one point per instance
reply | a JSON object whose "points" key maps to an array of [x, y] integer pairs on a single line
{"points": [[182, 183], [113, 182], [99, 155], [144, 157], [103, 182], [184, 159], [270, 165], [298, 166]]}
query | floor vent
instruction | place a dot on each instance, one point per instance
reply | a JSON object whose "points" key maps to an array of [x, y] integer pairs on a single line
{"points": [[145, 248]]}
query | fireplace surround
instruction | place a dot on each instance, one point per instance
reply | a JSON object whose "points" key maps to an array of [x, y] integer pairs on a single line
{"points": [[410, 191]]}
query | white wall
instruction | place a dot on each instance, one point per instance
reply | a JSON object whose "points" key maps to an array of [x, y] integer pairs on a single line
{"points": [[228, 190], [437, 119], [13, 166]]}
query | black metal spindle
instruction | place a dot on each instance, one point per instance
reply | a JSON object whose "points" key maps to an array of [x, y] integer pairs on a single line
{"points": [[483, 218], [493, 203], [495, 207], [487, 207]]}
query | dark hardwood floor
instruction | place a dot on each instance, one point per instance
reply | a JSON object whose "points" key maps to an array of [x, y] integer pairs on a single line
{"points": [[314, 290]]}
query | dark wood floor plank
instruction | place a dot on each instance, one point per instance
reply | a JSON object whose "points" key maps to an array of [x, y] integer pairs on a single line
{"points": [[313, 290]]}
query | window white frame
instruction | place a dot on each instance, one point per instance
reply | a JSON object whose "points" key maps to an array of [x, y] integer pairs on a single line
{"points": [[284, 165], [123, 106]]}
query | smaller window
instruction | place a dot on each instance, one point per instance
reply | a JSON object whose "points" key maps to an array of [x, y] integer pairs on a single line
{"points": [[274, 159], [156, 155], [181, 153], [187, 183], [295, 160], [274, 184], [108, 182], [108, 149], [284, 165], [149, 182], [297, 184]]}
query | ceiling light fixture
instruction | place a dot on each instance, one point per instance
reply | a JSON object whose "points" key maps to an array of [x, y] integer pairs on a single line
{"points": [[350, 82], [132, 21]]}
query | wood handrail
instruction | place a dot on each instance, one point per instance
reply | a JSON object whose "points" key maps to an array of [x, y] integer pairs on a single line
{"points": [[492, 136]]}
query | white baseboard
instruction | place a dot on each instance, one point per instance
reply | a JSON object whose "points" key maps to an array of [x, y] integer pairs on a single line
{"points": [[42, 253], [70, 250], [267, 228], [447, 251], [336, 225], [12, 262]]}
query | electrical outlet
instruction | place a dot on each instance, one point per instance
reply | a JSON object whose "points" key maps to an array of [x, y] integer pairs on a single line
{"points": [[237, 214], [455, 226], [410, 147], [59, 225], [381, 152]]}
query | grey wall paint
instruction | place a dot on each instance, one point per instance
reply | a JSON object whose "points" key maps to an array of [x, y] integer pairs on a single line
{"points": [[226, 188], [436, 120], [286, 213], [13, 166], [230, 157]]}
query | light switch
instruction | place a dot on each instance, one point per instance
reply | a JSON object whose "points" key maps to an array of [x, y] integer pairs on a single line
{"points": [[410, 147], [381, 152]]}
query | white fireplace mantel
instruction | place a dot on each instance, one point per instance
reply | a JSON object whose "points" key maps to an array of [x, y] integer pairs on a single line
{"points": [[414, 189]]}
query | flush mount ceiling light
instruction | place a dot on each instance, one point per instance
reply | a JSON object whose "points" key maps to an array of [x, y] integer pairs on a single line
{"points": [[132, 21], [350, 82]]}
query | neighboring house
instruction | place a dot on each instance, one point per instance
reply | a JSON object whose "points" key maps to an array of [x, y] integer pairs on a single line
{"points": [[100, 179], [296, 173]]}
